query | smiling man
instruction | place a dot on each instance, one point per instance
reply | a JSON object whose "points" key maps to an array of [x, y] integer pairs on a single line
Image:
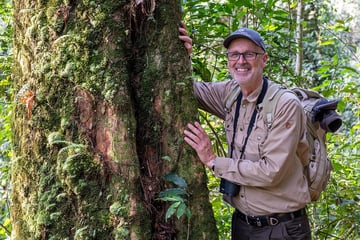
{"points": [[262, 178]]}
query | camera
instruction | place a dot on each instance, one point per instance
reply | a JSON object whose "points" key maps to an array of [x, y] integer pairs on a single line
{"points": [[229, 188], [324, 112]]}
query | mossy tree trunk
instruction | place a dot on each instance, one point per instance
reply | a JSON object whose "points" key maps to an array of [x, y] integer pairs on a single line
{"points": [[103, 94]]}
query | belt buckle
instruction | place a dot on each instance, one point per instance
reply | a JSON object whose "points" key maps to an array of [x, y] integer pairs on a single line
{"points": [[273, 221]]}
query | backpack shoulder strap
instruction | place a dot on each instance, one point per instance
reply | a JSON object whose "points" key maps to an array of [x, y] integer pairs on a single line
{"points": [[272, 96], [271, 99]]}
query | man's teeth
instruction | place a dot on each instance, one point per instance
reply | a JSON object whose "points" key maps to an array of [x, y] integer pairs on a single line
{"points": [[242, 69]]}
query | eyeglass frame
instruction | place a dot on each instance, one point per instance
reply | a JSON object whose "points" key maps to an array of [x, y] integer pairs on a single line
{"points": [[244, 55]]}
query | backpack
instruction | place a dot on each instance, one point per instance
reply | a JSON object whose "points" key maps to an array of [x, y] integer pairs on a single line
{"points": [[320, 119]]}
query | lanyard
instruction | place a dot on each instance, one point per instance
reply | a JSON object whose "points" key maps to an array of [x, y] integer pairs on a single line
{"points": [[253, 117]]}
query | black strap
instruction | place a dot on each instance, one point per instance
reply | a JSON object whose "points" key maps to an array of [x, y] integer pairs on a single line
{"points": [[237, 110], [253, 117]]}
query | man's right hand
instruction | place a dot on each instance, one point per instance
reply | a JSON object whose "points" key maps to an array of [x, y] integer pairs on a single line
{"points": [[199, 140], [184, 37]]}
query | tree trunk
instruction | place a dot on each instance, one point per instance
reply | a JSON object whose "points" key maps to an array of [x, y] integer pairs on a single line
{"points": [[298, 36], [103, 94]]}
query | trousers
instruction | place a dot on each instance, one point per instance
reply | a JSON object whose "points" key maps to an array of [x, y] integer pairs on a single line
{"points": [[294, 229]]}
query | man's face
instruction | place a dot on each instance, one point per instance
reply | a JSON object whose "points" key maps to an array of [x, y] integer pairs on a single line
{"points": [[248, 72]]}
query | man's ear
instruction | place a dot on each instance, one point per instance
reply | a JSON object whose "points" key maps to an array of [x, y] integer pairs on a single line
{"points": [[264, 59]]}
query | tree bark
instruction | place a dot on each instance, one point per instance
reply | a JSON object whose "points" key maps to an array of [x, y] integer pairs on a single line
{"points": [[298, 36], [103, 94]]}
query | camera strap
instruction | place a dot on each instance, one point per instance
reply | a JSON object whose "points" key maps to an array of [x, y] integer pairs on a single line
{"points": [[252, 120]]}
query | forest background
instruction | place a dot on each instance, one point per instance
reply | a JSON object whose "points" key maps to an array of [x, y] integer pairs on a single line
{"points": [[329, 63]]}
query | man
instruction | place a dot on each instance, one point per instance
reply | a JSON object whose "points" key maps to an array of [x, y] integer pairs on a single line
{"points": [[266, 166]]}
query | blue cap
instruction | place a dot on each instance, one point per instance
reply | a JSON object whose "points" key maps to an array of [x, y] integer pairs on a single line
{"points": [[245, 33]]}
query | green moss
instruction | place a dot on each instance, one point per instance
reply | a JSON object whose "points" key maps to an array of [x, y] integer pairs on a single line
{"points": [[121, 233], [72, 191], [55, 137], [119, 209], [42, 218]]}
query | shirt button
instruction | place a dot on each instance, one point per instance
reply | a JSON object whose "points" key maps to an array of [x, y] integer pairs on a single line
{"points": [[244, 106], [259, 138]]}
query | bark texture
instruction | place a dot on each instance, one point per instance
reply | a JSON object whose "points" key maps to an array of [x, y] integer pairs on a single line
{"points": [[298, 37], [103, 95]]}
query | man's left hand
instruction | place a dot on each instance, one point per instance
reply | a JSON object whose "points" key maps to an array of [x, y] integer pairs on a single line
{"points": [[184, 37]]}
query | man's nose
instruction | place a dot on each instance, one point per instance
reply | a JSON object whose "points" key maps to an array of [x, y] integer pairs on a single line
{"points": [[241, 58]]}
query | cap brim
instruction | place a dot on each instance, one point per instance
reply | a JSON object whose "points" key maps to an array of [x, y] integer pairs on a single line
{"points": [[229, 39]]}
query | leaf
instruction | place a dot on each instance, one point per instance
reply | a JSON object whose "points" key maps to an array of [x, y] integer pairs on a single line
{"points": [[181, 210], [176, 179], [172, 199], [350, 69], [79, 232], [293, 5], [200, 68], [188, 213], [328, 42], [171, 210], [337, 166], [166, 158], [172, 192]]}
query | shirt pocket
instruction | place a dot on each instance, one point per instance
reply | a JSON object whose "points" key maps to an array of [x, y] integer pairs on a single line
{"points": [[259, 132], [257, 138]]}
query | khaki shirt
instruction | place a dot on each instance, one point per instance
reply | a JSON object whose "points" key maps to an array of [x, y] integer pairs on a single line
{"points": [[271, 171]]}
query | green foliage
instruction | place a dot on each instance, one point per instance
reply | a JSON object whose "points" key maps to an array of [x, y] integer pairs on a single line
{"points": [[6, 31], [177, 196], [330, 66]]}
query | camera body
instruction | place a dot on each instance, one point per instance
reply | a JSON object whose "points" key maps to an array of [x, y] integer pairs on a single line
{"points": [[229, 188]]}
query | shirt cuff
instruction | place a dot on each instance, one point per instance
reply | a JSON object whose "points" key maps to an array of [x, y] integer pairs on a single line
{"points": [[221, 165]]}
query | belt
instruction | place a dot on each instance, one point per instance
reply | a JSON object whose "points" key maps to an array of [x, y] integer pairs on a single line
{"points": [[270, 220]]}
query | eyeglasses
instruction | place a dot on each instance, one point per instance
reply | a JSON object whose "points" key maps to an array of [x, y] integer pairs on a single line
{"points": [[248, 56]]}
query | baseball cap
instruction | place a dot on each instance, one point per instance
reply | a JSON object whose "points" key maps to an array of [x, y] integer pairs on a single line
{"points": [[246, 33]]}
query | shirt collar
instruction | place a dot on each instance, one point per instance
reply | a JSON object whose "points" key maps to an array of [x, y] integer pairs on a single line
{"points": [[255, 94]]}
